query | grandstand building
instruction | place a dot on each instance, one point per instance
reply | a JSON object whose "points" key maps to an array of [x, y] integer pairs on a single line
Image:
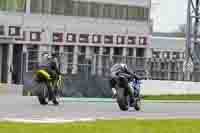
{"points": [[167, 58], [87, 32]]}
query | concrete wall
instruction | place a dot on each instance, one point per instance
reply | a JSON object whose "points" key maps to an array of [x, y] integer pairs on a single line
{"points": [[10, 89], [76, 24], [149, 87], [156, 87], [144, 3], [1, 52]]}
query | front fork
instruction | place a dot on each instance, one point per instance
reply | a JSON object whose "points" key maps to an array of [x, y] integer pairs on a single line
{"points": [[51, 89]]}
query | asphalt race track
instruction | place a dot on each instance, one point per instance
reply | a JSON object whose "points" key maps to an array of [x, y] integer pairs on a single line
{"points": [[20, 108]]}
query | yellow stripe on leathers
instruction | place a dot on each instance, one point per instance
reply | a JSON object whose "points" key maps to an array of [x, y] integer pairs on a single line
{"points": [[44, 73]]}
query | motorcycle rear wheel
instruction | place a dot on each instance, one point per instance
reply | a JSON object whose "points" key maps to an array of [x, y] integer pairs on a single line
{"points": [[122, 99]]}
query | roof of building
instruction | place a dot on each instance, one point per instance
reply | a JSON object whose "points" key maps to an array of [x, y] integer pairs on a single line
{"points": [[168, 43], [144, 3]]}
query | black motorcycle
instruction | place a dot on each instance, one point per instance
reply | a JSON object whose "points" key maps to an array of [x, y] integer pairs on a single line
{"points": [[42, 78]]}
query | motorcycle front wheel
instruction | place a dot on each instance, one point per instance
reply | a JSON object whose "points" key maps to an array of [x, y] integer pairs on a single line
{"points": [[42, 93]]}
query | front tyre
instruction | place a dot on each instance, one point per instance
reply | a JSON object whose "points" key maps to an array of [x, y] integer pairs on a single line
{"points": [[137, 104], [42, 94]]}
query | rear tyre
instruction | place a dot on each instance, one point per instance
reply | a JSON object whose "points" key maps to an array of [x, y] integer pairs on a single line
{"points": [[122, 99]]}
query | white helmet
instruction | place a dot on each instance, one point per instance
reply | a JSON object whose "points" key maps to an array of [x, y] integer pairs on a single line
{"points": [[47, 56], [124, 66]]}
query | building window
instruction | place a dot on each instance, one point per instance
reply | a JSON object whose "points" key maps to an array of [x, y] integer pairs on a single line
{"points": [[120, 39], [162, 65], [130, 51], [46, 6], [22, 38], [119, 12], [132, 12], [118, 51], [62, 7], [108, 39], [71, 37], [173, 67], [40, 6], [96, 50], [3, 5], [32, 57], [96, 38], [146, 13], [36, 6], [84, 38], [106, 50], [176, 55], [166, 55], [55, 48], [140, 52], [156, 54], [12, 5], [14, 31], [95, 9], [57, 37], [69, 5], [58, 6], [107, 11], [35, 36], [43, 6], [132, 40], [2, 30], [83, 9], [141, 13], [143, 40]]}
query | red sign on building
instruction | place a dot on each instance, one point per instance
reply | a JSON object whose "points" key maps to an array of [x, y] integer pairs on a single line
{"points": [[57, 37], [14, 31], [71, 37], [131, 40], [142, 40], [35, 36]]}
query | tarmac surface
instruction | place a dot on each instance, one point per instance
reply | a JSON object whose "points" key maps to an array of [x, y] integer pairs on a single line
{"points": [[28, 109]]}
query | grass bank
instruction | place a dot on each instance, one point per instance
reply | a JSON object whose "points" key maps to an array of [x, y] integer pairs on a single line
{"points": [[113, 126], [172, 97]]}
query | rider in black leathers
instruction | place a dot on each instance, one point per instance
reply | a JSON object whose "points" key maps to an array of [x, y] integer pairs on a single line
{"points": [[121, 74], [53, 70]]}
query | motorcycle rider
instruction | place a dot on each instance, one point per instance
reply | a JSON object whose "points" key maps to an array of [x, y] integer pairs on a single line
{"points": [[121, 73], [53, 70]]}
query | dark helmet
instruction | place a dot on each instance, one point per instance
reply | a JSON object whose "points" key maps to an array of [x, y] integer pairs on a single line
{"points": [[53, 54]]}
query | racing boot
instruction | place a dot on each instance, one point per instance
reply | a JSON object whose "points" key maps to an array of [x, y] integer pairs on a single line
{"points": [[54, 100]]}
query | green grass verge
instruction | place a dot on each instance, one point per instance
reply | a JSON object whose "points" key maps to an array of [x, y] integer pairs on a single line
{"points": [[118, 126], [172, 97]]}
